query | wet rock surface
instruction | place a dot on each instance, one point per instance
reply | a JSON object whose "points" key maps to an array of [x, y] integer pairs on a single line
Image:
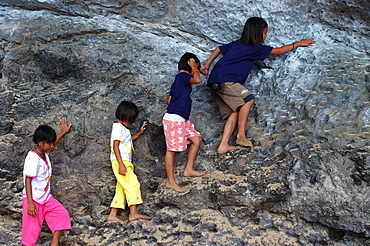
{"points": [[306, 180]]}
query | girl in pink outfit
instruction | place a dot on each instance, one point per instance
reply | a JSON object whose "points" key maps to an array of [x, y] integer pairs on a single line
{"points": [[38, 203]]}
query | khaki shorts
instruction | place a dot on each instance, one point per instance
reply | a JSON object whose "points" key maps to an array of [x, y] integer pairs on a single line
{"points": [[231, 97]]}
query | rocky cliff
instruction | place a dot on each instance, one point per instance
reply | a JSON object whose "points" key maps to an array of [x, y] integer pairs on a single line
{"points": [[306, 181]]}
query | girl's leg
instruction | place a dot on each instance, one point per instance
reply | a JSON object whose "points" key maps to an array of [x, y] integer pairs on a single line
{"points": [[57, 218], [119, 199], [192, 155], [134, 215], [242, 123], [31, 226], [229, 128], [56, 238], [169, 160], [113, 215]]}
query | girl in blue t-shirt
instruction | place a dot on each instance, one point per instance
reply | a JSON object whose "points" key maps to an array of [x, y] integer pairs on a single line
{"points": [[230, 72], [178, 129]]}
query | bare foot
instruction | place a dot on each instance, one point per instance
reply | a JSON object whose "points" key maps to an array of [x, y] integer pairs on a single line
{"points": [[114, 218], [175, 187], [244, 142], [137, 216], [193, 173], [224, 149]]}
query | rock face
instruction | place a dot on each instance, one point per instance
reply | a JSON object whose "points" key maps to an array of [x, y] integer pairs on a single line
{"points": [[306, 181]]}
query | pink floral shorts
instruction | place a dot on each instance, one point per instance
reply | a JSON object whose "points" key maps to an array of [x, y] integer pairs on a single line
{"points": [[177, 134]]}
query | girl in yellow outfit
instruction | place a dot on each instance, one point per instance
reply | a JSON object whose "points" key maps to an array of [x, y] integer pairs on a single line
{"points": [[128, 186]]}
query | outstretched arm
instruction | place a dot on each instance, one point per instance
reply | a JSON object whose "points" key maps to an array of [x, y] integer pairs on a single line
{"points": [[289, 47], [64, 129], [204, 69], [141, 131]]}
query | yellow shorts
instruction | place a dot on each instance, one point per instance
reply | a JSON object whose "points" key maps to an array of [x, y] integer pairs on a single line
{"points": [[127, 188]]}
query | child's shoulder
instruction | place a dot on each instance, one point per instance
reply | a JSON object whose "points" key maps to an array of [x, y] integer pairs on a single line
{"points": [[32, 153], [118, 127], [32, 157], [183, 75]]}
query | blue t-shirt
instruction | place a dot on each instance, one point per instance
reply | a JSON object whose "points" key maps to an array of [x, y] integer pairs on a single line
{"points": [[180, 103], [237, 62]]}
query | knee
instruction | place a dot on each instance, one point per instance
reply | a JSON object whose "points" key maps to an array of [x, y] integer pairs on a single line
{"points": [[170, 154], [196, 140]]}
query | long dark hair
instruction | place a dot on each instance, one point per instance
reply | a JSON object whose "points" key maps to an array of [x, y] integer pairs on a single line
{"points": [[253, 31], [183, 63]]}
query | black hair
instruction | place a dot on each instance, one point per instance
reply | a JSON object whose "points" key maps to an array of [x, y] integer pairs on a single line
{"points": [[253, 31], [127, 111], [44, 133], [183, 63]]}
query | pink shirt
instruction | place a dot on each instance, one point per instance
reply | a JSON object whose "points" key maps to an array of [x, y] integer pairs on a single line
{"points": [[40, 171]]}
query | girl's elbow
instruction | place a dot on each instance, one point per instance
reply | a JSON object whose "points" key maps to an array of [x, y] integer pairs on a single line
{"points": [[276, 52], [196, 81]]}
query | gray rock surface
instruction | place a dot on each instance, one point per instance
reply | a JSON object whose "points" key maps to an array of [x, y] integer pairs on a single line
{"points": [[306, 181]]}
